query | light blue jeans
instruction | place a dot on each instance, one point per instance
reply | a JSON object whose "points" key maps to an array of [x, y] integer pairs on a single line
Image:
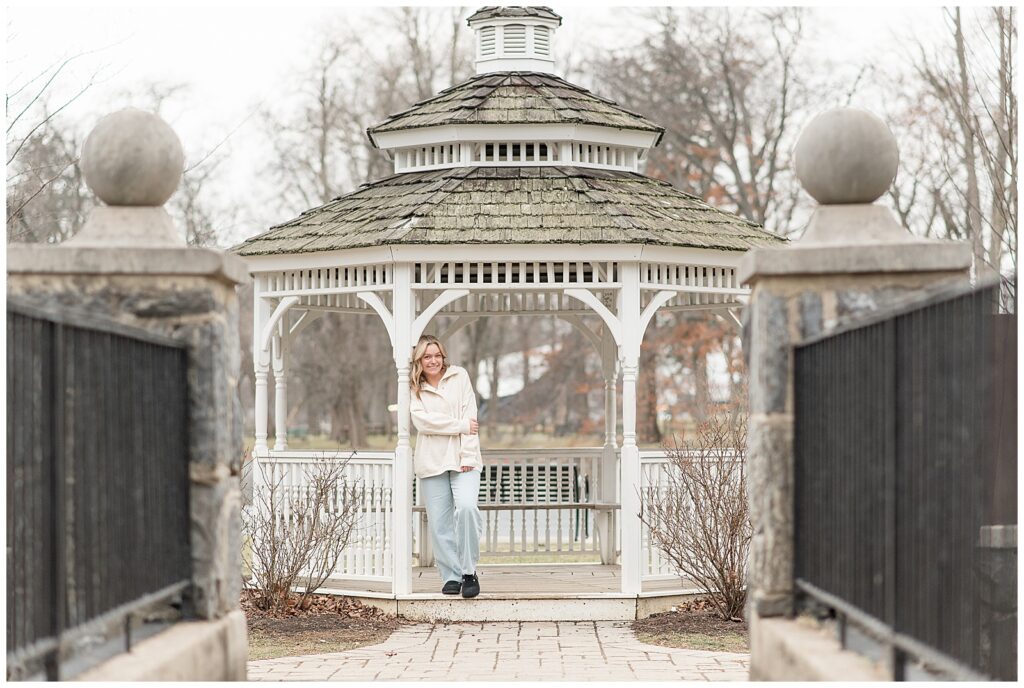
{"points": [[455, 522]]}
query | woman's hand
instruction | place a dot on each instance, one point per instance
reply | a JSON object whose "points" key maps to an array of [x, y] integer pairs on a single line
{"points": [[465, 469], [474, 427]]}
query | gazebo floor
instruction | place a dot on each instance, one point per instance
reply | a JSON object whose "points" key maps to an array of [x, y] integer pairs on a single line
{"points": [[522, 592]]}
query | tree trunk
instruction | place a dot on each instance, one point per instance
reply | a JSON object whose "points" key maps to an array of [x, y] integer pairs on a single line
{"points": [[969, 153], [647, 429]]}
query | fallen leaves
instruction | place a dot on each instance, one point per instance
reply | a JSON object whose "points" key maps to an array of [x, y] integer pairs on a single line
{"points": [[313, 605]]}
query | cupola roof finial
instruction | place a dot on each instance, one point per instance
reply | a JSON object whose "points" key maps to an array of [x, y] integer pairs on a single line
{"points": [[514, 39]]}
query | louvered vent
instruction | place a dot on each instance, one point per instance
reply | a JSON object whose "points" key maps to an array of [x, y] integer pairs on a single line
{"points": [[541, 40], [488, 43], [515, 39]]}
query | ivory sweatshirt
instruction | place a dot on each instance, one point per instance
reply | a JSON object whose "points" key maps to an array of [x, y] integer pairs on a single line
{"points": [[441, 416]]}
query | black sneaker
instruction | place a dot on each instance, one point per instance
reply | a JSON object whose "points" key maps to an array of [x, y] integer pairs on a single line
{"points": [[470, 585], [451, 588]]}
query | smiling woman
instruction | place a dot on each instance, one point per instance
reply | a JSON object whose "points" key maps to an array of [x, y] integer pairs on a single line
{"points": [[448, 463]]}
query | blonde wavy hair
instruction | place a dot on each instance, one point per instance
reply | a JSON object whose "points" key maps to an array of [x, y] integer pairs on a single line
{"points": [[418, 377]]}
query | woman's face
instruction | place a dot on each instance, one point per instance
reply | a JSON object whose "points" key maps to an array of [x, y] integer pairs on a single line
{"points": [[432, 360]]}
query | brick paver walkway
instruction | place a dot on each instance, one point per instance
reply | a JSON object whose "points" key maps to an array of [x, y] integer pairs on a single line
{"points": [[509, 651]]}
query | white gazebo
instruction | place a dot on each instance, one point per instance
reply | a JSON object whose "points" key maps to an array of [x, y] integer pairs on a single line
{"points": [[514, 193]]}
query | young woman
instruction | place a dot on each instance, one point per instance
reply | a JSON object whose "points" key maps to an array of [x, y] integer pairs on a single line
{"points": [[447, 462]]}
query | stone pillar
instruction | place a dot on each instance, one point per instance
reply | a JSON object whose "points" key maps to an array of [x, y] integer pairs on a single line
{"points": [[128, 265], [853, 259]]}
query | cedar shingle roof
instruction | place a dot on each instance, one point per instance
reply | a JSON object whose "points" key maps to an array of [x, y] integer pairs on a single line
{"points": [[493, 12], [515, 98], [523, 205]]}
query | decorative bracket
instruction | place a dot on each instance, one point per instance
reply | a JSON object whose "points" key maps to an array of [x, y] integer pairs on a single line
{"points": [[459, 323], [731, 312], [659, 300], [587, 297], [268, 329], [374, 301], [446, 297], [305, 320]]}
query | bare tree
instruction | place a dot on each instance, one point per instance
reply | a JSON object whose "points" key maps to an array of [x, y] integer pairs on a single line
{"points": [[45, 197], [297, 533], [320, 148], [47, 200], [700, 518], [961, 181], [723, 83]]}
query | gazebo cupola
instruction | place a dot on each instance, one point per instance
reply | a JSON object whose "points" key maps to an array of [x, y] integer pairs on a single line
{"points": [[519, 39], [515, 112]]}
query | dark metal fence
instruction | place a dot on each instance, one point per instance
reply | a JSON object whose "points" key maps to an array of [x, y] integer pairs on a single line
{"points": [[905, 486], [97, 485]]}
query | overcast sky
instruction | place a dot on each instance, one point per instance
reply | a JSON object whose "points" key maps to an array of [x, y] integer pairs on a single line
{"points": [[233, 58]]}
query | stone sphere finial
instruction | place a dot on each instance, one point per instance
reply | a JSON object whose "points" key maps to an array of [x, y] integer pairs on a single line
{"points": [[132, 158], [846, 156]]}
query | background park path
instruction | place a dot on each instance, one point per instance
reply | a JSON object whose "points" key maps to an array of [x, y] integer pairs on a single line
{"points": [[509, 651]]}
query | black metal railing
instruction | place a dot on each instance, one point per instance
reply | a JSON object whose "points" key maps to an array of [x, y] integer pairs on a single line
{"points": [[905, 467], [97, 484]]}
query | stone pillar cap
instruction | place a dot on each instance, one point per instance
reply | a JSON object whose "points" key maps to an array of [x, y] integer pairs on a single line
{"points": [[846, 155], [133, 161], [846, 159]]}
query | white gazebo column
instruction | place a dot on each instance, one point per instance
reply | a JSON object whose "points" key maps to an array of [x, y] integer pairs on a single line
{"points": [[629, 463], [609, 453], [280, 388], [401, 499], [261, 365]]}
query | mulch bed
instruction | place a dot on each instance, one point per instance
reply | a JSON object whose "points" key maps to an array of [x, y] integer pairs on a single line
{"points": [[328, 624], [692, 619]]}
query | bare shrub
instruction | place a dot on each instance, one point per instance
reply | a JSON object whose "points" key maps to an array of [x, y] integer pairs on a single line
{"points": [[297, 532], [700, 518]]}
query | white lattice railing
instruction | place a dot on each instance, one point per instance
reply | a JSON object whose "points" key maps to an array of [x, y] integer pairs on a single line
{"points": [[654, 467], [533, 502], [368, 555], [540, 501], [654, 476]]}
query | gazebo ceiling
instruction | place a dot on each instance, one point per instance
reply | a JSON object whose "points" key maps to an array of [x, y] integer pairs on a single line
{"points": [[522, 205], [515, 98]]}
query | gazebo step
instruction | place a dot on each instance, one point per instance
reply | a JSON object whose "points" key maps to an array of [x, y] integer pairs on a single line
{"points": [[523, 592], [523, 606]]}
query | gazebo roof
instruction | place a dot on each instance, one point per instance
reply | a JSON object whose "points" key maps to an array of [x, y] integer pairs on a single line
{"points": [[495, 12], [521, 205], [515, 98]]}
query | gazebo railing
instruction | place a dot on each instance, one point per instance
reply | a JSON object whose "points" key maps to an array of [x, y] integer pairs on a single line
{"points": [[654, 473], [537, 504], [368, 554], [656, 470], [541, 502]]}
